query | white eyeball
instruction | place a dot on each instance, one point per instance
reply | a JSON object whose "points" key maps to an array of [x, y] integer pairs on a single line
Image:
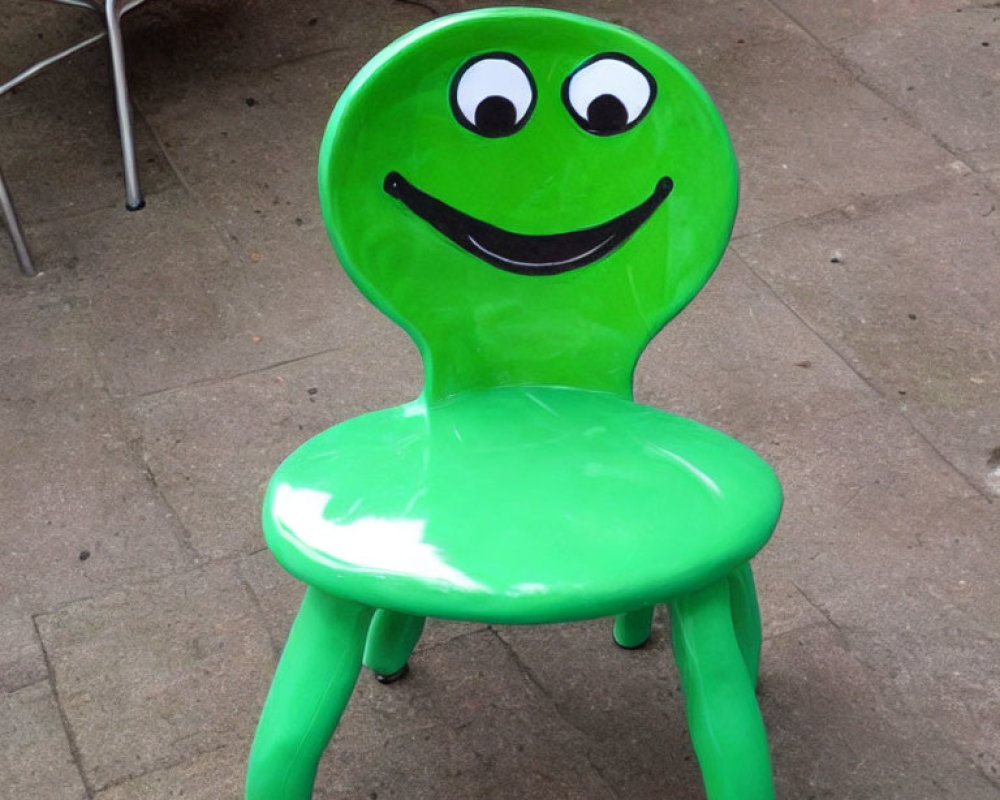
{"points": [[493, 94], [609, 94]]}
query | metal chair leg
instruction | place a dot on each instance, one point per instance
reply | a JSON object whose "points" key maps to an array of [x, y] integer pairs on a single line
{"points": [[133, 194], [16, 234]]}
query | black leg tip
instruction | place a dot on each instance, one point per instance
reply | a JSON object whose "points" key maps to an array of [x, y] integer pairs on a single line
{"points": [[639, 646], [399, 674], [137, 207]]}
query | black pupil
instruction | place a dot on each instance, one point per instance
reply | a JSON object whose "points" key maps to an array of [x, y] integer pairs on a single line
{"points": [[495, 116], [607, 114]]}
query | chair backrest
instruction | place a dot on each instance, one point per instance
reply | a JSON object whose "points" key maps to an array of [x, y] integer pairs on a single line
{"points": [[531, 194]]}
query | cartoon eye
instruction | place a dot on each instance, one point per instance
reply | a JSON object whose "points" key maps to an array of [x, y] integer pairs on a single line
{"points": [[493, 95], [609, 94]]}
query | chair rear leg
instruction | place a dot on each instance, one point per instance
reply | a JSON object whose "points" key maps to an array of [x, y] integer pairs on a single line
{"points": [[391, 639], [746, 618], [726, 727], [311, 687], [633, 628]]}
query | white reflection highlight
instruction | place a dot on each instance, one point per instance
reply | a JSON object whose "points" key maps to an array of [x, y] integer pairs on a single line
{"points": [[705, 479], [374, 544]]}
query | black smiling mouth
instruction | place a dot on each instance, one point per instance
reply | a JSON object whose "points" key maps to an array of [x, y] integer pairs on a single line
{"points": [[520, 253]]}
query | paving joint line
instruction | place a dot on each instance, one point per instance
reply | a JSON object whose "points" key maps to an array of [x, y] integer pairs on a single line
{"points": [[826, 615], [74, 747], [225, 236], [158, 768], [217, 380], [456, 638], [798, 24], [203, 564], [276, 646], [864, 200], [134, 447], [923, 437], [533, 680], [858, 75]]}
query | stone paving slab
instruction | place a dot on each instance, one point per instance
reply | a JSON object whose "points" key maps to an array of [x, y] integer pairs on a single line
{"points": [[216, 775], [831, 22], [72, 538], [809, 137], [36, 30], [993, 180], [175, 300], [232, 137], [187, 40], [152, 675], [467, 722], [80, 512], [906, 290], [627, 704], [166, 297], [943, 69], [35, 757], [23, 662], [165, 363], [213, 447], [824, 707]]}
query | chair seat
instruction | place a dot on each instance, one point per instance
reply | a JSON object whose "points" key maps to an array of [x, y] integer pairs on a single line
{"points": [[519, 505]]}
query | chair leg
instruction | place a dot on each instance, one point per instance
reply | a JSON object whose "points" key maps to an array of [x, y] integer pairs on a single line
{"points": [[633, 628], [391, 638], [726, 727], [746, 618], [112, 18], [311, 687], [14, 228]]}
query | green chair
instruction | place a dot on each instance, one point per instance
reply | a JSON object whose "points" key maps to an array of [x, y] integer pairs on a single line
{"points": [[531, 195]]}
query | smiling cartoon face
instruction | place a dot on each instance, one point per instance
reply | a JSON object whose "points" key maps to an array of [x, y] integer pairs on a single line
{"points": [[531, 194]]}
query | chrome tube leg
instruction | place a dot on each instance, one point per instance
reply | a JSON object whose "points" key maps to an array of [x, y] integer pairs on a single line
{"points": [[133, 194], [16, 234]]}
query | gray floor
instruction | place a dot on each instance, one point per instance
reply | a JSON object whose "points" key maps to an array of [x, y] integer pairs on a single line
{"points": [[166, 360]]}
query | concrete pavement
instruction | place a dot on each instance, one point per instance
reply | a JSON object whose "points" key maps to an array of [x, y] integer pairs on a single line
{"points": [[166, 361]]}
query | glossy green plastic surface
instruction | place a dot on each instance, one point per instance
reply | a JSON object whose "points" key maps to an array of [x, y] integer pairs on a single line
{"points": [[531, 195], [519, 505], [478, 326]]}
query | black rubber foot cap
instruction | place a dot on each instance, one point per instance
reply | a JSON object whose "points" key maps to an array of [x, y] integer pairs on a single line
{"points": [[639, 646], [399, 674], [142, 205]]}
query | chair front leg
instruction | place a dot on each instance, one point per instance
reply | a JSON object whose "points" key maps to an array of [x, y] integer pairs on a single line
{"points": [[726, 727], [311, 687], [746, 618]]}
